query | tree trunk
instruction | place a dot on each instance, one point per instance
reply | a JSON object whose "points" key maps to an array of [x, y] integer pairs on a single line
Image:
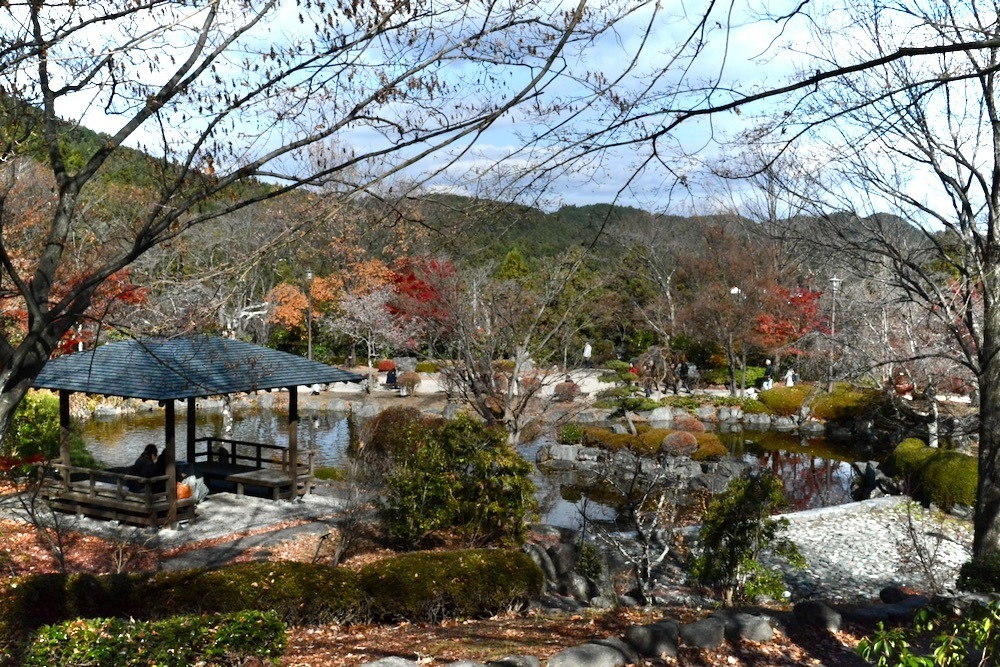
{"points": [[987, 516]]}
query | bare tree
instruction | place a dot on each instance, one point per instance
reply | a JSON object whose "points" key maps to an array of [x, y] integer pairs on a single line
{"points": [[228, 97], [366, 318], [505, 335], [910, 154]]}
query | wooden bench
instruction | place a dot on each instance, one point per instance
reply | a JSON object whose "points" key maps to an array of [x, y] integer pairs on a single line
{"points": [[223, 472], [278, 482]]}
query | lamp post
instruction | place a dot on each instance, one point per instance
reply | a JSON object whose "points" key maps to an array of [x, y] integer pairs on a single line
{"points": [[835, 283], [309, 317]]}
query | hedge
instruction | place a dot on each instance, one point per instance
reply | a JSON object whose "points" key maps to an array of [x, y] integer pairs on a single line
{"points": [[474, 582], [431, 585]]}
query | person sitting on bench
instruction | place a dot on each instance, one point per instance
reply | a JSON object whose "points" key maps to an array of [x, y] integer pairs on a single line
{"points": [[144, 466]]}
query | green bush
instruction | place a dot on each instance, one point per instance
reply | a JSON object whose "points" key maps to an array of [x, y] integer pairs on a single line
{"points": [[683, 402], [980, 575], [909, 456], [736, 530], [598, 436], [753, 406], [949, 478], [179, 641], [427, 367], [462, 476], [571, 434], [845, 402], [35, 429], [784, 401], [720, 375], [939, 476], [972, 638], [617, 366], [430, 586]]}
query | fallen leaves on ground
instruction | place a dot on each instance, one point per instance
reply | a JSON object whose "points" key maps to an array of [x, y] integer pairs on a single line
{"points": [[23, 551]]}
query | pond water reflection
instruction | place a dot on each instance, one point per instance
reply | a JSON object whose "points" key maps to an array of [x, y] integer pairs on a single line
{"points": [[118, 441], [815, 475]]}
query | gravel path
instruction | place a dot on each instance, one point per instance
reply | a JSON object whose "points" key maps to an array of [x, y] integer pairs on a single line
{"points": [[853, 551]]}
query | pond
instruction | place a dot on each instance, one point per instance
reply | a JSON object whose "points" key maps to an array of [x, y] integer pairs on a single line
{"points": [[117, 441], [815, 474]]}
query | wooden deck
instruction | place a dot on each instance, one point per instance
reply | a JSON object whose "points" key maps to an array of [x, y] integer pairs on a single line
{"points": [[104, 494], [245, 467]]}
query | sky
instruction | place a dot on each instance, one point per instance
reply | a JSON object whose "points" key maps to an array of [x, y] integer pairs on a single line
{"points": [[740, 51], [600, 178]]}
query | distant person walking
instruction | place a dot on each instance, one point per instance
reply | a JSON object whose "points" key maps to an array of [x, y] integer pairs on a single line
{"points": [[768, 374], [683, 372], [790, 377], [587, 351]]}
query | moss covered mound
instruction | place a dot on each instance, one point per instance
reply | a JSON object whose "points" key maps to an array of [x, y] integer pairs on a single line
{"points": [[939, 476]]}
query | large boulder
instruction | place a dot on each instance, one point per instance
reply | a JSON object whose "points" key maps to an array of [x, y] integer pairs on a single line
{"points": [[589, 655], [707, 633], [656, 640], [817, 614]]}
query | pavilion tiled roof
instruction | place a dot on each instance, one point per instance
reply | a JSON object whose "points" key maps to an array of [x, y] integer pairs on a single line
{"points": [[165, 369]]}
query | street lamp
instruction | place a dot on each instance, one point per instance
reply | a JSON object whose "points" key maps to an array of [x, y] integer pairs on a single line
{"points": [[309, 317], [835, 283]]}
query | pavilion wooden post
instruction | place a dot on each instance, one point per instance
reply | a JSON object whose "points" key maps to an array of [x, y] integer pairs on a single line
{"points": [[293, 435], [171, 464], [64, 431], [192, 419]]}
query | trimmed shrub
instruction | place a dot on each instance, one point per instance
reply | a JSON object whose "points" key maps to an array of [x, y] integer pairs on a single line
{"points": [[180, 641], [427, 367], [784, 401], [720, 375], [939, 476], [679, 443], [648, 440], [408, 381], [683, 402], [845, 402], [565, 392], [710, 448], [910, 456], [617, 366], [688, 423], [949, 478], [431, 586], [596, 436], [753, 406]]}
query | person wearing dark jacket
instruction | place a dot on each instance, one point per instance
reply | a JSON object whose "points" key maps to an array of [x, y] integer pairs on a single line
{"points": [[144, 466]]}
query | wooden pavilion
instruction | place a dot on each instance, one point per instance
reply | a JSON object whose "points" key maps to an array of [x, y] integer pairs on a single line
{"points": [[168, 370]]}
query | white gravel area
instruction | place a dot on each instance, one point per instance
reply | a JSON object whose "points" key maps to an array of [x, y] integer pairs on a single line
{"points": [[853, 551]]}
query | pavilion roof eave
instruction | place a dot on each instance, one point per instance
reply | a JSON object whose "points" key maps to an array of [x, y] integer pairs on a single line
{"points": [[164, 369]]}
